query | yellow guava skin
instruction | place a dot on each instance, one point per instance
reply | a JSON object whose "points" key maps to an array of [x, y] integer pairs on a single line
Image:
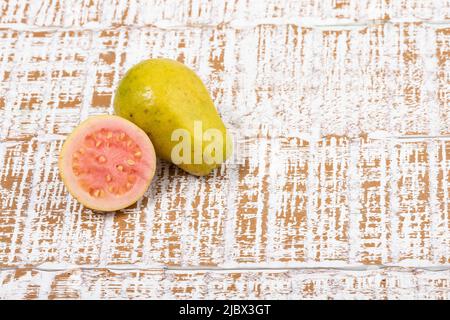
{"points": [[162, 95]]}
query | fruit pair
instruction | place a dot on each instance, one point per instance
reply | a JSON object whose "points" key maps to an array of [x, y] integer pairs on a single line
{"points": [[108, 162]]}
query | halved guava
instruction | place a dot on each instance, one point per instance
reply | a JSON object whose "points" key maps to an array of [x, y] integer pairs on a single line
{"points": [[107, 163]]}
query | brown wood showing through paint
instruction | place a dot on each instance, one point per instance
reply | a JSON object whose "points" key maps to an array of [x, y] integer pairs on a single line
{"points": [[340, 183]]}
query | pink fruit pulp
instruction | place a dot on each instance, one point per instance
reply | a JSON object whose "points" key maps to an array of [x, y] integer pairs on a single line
{"points": [[107, 163]]}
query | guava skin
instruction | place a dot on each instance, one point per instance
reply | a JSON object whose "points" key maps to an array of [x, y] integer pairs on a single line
{"points": [[162, 95]]}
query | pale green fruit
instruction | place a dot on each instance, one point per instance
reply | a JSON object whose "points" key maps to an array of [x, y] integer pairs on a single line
{"points": [[162, 96]]}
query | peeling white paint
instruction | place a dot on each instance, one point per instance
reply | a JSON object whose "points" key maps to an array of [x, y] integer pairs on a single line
{"points": [[322, 97]]}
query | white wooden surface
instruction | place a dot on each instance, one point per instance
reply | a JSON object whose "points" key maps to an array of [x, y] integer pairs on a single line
{"points": [[340, 188]]}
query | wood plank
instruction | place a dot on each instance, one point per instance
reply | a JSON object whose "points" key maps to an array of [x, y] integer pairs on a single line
{"points": [[375, 230], [443, 58], [390, 283], [442, 214], [174, 13]]}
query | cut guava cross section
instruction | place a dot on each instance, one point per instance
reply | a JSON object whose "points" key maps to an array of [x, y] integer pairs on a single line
{"points": [[107, 163]]}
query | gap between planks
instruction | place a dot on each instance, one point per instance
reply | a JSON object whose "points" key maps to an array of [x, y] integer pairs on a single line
{"points": [[361, 268], [234, 24]]}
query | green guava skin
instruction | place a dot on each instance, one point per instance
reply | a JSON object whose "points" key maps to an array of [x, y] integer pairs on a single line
{"points": [[162, 95]]}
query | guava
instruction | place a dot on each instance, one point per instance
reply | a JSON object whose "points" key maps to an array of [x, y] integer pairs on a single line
{"points": [[107, 163], [162, 97]]}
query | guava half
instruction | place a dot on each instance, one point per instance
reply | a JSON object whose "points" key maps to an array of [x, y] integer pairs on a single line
{"points": [[107, 163]]}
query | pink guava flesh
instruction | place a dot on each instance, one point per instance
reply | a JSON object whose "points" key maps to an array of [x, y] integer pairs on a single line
{"points": [[107, 163]]}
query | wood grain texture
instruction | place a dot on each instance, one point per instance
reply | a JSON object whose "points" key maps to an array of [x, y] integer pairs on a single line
{"points": [[391, 283], [341, 177]]}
